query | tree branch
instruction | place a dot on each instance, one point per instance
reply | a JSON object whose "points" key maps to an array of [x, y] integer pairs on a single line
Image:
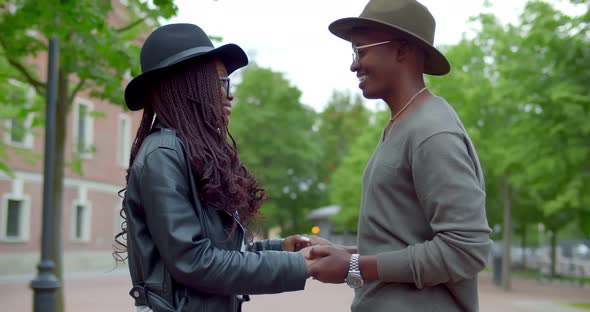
{"points": [[38, 85], [76, 90], [137, 22]]}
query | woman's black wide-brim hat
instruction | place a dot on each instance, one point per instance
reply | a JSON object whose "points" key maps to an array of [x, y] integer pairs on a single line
{"points": [[171, 45]]}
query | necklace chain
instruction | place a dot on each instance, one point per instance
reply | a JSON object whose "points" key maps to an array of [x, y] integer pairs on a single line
{"points": [[405, 106]]}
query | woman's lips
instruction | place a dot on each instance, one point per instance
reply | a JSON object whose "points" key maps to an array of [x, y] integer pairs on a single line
{"points": [[227, 108]]}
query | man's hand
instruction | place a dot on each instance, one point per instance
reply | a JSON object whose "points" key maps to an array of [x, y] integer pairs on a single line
{"points": [[331, 264], [296, 243], [308, 261]]}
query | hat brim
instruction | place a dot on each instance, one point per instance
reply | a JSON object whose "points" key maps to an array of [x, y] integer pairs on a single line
{"points": [[435, 64], [232, 56]]}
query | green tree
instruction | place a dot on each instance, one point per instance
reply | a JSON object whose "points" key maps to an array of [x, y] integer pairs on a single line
{"points": [[96, 52], [276, 140], [18, 103], [340, 123], [346, 185], [556, 46], [528, 115]]}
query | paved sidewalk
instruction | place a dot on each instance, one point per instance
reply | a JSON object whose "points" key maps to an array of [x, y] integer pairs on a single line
{"points": [[530, 295], [99, 292]]}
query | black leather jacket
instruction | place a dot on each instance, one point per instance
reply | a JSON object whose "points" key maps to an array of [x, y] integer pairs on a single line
{"points": [[180, 256]]}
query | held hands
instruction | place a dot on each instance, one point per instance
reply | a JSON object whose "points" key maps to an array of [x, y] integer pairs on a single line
{"points": [[328, 264], [308, 261], [325, 261]]}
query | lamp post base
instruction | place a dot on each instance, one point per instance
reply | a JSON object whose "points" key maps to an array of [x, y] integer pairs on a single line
{"points": [[44, 288]]}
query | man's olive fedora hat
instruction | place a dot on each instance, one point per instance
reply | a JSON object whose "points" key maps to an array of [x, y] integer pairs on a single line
{"points": [[407, 17], [169, 46]]}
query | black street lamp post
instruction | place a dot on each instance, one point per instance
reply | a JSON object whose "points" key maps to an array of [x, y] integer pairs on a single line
{"points": [[46, 283]]}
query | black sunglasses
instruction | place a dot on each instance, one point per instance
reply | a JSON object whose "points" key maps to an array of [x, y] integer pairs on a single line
{"points": [[225, 83]]}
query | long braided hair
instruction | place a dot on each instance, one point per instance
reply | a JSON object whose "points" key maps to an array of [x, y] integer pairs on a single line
{"points": [[189, 101]]}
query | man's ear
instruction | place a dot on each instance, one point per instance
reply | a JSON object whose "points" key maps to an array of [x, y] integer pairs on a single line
{"points": [[404, 49]]}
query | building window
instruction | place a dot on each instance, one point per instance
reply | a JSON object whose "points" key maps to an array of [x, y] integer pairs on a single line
{"points": [[84, 128], [15, 219], [19, 134], [79, 226], [17, 131], [124, 147], [81, 222], [82, 142], [18, 126]]}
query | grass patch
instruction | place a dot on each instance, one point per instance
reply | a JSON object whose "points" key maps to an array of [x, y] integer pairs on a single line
{"points": [[527, 273], [580, 305], [537, 274]]}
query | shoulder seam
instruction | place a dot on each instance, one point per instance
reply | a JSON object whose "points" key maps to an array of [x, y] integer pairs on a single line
{"points": [[457, 133]]}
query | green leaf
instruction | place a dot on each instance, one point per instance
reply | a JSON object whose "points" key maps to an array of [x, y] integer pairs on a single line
{"points": [[4, 168]]}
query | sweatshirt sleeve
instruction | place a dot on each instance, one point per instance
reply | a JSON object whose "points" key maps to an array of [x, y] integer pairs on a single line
{"points": [[189, 255], [445, 174]]}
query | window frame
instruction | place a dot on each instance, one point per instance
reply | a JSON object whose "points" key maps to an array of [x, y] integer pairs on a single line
{"points": [[89, 130], [86, 221], [24, 218], [28, 139], [123, 139]]}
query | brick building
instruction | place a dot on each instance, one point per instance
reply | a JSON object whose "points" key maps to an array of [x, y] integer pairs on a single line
{"points": [[90, 211]]}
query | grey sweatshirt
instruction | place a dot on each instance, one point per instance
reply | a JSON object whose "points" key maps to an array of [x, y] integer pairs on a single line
{"points": [[423, 215]]}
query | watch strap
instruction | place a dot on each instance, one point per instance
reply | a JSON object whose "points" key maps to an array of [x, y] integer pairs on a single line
{"points": [[354, 263]]}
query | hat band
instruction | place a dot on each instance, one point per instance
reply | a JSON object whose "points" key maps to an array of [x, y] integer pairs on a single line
{"points": [[182, 55]]}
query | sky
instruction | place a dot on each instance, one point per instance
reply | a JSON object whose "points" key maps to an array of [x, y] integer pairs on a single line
{"points": [[292, 37]]}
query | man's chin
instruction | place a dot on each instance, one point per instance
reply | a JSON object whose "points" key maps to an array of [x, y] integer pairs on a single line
{"points": [[367, 94]]}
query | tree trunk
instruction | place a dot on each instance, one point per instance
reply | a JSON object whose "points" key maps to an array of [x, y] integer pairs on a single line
{"points": [[506, 260], [523, 244], [59, 164], [553, 253]]}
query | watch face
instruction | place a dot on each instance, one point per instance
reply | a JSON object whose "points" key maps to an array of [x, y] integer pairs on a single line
{"points": [[354, 281]]}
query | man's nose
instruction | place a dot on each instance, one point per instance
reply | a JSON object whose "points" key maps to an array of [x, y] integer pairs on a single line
{"points": [[354, 66]]}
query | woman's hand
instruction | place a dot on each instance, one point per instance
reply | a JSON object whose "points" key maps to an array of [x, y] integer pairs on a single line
{"points": [[296, 243], [318, 241], [315, 240]]}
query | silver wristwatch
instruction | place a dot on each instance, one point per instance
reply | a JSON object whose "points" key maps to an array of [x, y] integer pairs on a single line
{"points": [[354, 278]]}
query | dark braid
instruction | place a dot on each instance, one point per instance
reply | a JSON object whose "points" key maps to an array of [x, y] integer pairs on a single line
{"points": [[189, 100]]}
